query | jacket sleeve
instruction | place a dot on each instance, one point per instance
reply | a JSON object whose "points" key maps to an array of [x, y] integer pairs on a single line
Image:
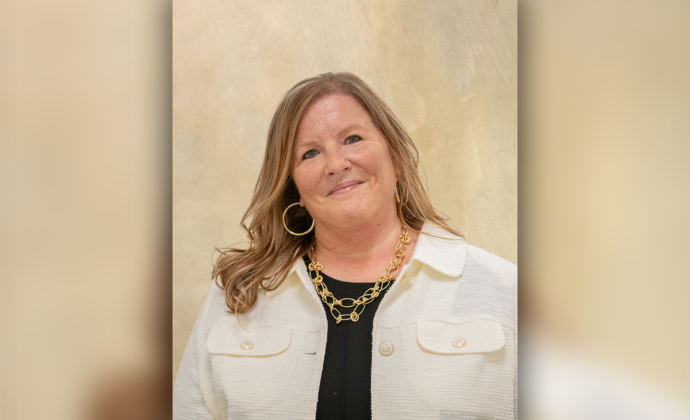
{"points": [[188, 398]]}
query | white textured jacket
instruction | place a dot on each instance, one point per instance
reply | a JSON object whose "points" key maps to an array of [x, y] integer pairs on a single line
{"points": [[444, 344]]}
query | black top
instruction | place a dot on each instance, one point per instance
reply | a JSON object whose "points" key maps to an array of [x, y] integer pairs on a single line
{"points": [[345, 390]]}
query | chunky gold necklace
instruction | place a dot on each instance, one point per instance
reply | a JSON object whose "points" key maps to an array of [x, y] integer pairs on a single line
{"points": [[372, 293]]}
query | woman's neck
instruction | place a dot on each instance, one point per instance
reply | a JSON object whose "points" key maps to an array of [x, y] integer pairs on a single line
{"points": [[360, 252]]}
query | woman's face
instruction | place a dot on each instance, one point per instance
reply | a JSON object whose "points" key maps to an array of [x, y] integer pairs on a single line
{"points": [[342, 164]]}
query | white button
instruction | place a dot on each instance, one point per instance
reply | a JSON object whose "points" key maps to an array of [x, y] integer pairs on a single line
{"points": [[459, 342], [247, 345], [386, 348]]}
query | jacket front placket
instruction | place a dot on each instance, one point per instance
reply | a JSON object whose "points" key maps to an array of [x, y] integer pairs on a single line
{"points": [[302, 273]]}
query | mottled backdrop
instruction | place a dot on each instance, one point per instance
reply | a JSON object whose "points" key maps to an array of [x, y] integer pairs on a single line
{"points": [[448, 69]]}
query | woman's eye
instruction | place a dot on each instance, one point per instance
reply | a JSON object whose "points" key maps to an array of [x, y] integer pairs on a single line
{"points": [[310, 154], [352, 139]]}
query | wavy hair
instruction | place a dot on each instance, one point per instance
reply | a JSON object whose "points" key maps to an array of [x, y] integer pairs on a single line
{"points": [[272, 251]]}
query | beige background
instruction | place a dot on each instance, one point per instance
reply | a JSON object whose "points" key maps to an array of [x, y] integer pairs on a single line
{"points": [[84, 155], [448, 69]]}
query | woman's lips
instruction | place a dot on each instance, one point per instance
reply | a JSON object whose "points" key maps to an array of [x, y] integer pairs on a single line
{"points": [[344, 187]]}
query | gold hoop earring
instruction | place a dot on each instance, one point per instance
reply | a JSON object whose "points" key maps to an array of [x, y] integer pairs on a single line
{"points": [[397, 197], [291, 232]]}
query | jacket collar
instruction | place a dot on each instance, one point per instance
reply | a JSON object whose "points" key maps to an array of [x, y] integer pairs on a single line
{"points": [[436, 248], [440, 250]]}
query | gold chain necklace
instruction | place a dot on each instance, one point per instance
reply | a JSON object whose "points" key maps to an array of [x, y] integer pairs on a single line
{"points": [[372, 293]]}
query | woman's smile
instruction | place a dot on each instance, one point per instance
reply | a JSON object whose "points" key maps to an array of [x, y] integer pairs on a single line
{"points": [[344, 187]]}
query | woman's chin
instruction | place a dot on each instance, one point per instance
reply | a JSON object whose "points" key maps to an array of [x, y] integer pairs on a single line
{"points": [[352, 216]]}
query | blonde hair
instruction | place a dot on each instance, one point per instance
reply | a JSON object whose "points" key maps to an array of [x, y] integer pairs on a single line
{"points": [[272, 251]]}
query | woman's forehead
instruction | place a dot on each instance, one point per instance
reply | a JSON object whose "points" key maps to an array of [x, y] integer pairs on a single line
{"points": [[333, 115], [333, 104]]}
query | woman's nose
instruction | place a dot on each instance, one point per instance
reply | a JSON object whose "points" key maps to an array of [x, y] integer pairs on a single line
{"points": [[337, 162]]}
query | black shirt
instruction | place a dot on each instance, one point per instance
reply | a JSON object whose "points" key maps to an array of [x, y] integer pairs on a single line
{"points": [[345, 390]]}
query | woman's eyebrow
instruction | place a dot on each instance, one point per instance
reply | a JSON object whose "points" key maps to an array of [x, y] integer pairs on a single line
{"points": [[348, 128], [305, 144]]}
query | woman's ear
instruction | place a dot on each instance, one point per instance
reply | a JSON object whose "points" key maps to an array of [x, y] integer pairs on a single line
{"points": [[396, 163]]}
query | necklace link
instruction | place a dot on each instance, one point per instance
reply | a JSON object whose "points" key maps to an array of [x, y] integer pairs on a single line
{"points": [[372, 293]]}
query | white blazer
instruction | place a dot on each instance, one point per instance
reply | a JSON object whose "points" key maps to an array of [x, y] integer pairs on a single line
{"points": [[444, 344]]}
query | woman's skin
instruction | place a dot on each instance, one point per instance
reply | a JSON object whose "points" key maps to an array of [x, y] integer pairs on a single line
{"points": [[346, 179]]}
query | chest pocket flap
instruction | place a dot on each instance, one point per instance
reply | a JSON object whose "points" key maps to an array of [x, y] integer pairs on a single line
{"points": [[228, 337], [478, 336]]}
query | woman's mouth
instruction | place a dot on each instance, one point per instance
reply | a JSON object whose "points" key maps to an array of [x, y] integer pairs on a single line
{"points": [[344, 187]]}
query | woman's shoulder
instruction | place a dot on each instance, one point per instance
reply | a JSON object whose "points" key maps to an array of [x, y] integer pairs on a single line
{"points": [[273, 308], [482, 285], [213, 310], [481, 260], [452, 255], [214, 313]]}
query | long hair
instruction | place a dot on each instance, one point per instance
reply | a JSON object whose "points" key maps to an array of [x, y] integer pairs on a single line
{"points": [[272, 251]]}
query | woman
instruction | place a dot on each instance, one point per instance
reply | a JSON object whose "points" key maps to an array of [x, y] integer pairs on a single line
{"points": [[355, 299]]}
